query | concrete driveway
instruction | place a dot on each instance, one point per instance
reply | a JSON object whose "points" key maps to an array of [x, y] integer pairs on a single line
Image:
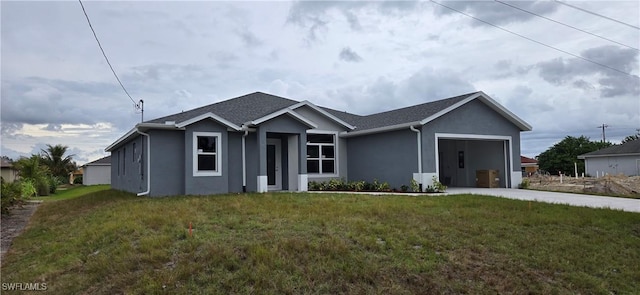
{"points": [[630, 205]]}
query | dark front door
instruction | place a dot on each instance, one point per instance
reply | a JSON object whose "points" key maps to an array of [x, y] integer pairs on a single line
{"points": [[274, 171]]}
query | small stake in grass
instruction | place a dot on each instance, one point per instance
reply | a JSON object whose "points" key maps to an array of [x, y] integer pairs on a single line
{"points": [[190, 231]]}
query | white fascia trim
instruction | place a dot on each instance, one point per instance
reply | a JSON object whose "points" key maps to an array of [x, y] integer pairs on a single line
{"points": [[279, 113], [323, 112], [121, 139], [489, 102], [524, 126], [209, 115], [379, 129], [140, 127]]}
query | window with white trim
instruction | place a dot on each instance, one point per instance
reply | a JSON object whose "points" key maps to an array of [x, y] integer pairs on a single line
{"points": [[321, 153], [206, 154]]}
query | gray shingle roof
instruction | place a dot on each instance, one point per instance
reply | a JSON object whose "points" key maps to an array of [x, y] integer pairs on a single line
{"points": [[631, 147], [408, 114], [256, 105], [236, 110], [102, 161]]}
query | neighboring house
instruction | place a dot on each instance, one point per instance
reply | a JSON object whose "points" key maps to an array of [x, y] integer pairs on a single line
{"points": [[260, 142], [529, 166], [97, 172], [8, 173], [75, 174], [614, 160]]}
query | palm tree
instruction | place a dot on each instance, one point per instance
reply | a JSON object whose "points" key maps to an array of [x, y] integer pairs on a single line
{"points": [[31, 168], [59, 165]]}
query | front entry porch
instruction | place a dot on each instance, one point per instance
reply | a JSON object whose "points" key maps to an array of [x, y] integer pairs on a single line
{"points": [[284, 163]]}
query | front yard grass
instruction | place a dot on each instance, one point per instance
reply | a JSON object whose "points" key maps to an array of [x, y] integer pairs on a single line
{"points": [[110, 242], [73, 192]]}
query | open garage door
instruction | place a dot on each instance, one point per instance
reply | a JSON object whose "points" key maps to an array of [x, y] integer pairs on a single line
{"points": [[460, 158]]}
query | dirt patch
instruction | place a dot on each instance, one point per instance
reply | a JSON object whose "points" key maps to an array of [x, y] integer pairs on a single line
{"points": [[13, 223], [619, 186]]}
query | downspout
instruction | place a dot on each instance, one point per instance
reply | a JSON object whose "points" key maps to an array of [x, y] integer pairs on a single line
{"points": [[244, 162], [148, 163], [419, 137]]}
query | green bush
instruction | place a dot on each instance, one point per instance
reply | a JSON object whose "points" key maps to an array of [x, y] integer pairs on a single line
{"points": [[11, 193], [343, 185], [524, 184], [77, 180], [27, 189], [415, 186]]}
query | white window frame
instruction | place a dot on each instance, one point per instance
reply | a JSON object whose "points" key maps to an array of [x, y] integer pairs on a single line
{"points": [[217, 154], [336, 155]]}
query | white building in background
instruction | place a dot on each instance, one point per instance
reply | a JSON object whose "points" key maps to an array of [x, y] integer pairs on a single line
{"points": [[97, 172], [614, 160]]}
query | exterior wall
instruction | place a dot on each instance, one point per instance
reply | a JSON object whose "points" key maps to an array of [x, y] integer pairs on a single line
{"points": [[628, 165], [9, 174], [388, 157], [126, 167], [234, 170], [167, 163], [252, 155], [96, 174], [472, 118], [206, 185]]}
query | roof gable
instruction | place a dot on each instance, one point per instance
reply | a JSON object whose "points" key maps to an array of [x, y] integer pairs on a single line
{"points": [[236, 110]]}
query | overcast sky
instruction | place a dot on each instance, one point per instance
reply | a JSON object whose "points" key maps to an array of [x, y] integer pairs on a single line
{"points": [[362, 57]]}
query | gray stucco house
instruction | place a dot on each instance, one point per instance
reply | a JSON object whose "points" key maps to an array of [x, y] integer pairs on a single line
{"points": [[260, 142], [614, 160]]}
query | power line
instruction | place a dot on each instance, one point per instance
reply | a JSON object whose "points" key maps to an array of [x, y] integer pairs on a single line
{"points": [[535, 41], [596, 14], [105, 55], [566, 25]]}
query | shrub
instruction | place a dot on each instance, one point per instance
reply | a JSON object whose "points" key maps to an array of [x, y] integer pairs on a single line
{"points": [[404, 188], [77, 180], [415, 187], [54, 182], [11, 193], [27, 189], [343, 185], [524, 184], [357, 185], [437, 186]]}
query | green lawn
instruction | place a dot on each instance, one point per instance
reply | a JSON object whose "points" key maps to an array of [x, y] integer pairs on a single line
{"points": [[73, 192], [110, 242]]}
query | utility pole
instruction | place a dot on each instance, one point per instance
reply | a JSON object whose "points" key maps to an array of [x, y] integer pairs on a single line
{"points": [[603, 134]]}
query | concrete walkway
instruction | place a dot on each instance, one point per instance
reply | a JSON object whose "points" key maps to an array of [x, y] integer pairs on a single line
{"points": [[624, 204]]}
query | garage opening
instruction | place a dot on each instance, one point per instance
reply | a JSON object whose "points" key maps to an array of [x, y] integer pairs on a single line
{"points": [[459, 159]]}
